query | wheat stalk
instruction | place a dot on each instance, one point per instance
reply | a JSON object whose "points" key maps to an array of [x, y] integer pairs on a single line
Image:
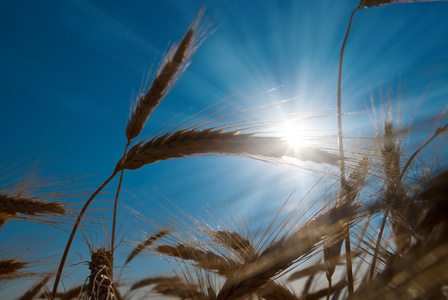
{"points": [[194, 142]]}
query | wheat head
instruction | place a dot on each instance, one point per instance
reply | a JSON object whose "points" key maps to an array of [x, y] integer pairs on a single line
{"points": [[11, 205], [194, 142], [174, 63]]}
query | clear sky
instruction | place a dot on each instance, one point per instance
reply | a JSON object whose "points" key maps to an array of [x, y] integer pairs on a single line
{"points": [[70, 69]]}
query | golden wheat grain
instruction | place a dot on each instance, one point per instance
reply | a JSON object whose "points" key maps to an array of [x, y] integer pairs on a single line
{"points": [[174, 63], [194, 142], [145, 244]]}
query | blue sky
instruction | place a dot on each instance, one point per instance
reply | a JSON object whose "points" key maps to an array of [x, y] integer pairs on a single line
{"points": [[70, 70]]}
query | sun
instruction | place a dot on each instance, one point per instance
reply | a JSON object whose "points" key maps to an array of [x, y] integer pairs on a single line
{"points": [[298, 136]]}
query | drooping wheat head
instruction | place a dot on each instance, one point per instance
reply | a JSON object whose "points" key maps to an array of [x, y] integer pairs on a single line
{"points": [[195, 142]]}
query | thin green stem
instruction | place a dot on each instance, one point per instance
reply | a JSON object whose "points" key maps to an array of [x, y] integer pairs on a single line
{"points": [[72, 234]]}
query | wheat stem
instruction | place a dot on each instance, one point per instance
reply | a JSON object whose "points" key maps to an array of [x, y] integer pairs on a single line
{"points": [[72, 234], [438, 131], [341, 154], [114, 220]]}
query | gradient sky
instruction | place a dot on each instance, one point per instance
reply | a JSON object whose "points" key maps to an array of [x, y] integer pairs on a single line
{"points": [[70, 69]]}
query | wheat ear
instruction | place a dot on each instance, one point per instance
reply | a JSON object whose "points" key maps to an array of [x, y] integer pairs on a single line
{"points": [[145, 244], [236, 242], [11, 205], [174, 63], [172, 66], [193, 142], [10, 266], [206, 260]]}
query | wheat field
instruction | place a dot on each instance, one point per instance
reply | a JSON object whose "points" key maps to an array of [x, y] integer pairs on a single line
{"points": [[312, 171]]}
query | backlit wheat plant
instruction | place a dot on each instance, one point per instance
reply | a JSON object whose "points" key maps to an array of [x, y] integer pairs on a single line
{"points": [[191, 140], [249, 265]]}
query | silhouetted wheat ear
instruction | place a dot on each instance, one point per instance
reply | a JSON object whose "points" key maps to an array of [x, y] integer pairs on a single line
{"points": [[174, 63], [145, 244], [206, 260], [236, 242], [100, 283], [375, 3], [10, 266], [11, 205], [193, 142]]}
